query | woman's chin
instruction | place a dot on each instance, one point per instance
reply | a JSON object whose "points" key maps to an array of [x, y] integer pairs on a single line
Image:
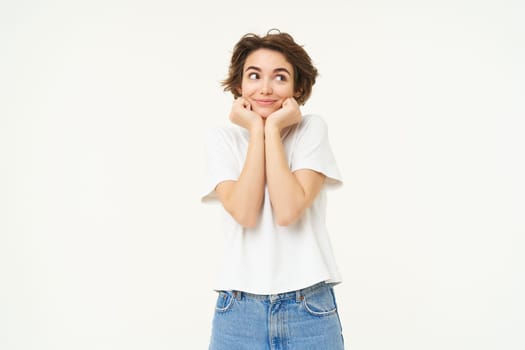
{"points": [[264, 113]]}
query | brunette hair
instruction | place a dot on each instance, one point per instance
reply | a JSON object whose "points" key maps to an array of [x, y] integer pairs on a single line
{"points": [[304, 71]]}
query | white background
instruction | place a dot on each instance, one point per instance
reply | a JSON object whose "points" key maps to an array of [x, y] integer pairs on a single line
{"points": [[104, 243]]}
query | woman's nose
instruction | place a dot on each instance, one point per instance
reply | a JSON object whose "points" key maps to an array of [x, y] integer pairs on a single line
{"points": [[266, 88]]}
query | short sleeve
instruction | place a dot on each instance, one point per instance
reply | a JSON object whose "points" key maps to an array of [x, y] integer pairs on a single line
{"points": [[220, 161], [313, 151]]}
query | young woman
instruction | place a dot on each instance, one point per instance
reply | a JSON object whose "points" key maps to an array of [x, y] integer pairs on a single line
{"points": [[270, 170]]}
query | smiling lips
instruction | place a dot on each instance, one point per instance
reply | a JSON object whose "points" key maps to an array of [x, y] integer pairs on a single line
{"points": [[265, 102]]}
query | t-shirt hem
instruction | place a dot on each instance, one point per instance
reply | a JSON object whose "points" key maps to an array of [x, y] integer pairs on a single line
{"points": [[329, 280], [210, 194], [334, 180]]}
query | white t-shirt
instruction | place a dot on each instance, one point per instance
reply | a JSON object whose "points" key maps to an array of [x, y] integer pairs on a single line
{"points": [[268, 258]]}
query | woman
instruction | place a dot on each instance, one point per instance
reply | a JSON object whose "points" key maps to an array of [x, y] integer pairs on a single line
{"points": [[270, 170]]}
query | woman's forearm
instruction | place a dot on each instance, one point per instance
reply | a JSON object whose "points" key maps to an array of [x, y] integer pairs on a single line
{"points": [[243, 198], [287, 196]]}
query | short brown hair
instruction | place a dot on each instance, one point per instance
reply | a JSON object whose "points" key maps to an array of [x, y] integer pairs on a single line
{"points": [[304, 71]]}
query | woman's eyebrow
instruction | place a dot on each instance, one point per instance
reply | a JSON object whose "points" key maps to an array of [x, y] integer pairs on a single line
{"points": [[281, 70], [252, 67], [276, 70]]}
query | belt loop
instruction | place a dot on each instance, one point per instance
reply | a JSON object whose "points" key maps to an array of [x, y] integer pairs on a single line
{"points": [[298, 296], [237, 294]]}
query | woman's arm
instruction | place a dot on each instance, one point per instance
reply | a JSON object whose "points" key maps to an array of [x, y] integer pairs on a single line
{"points": [[290, 193], [243, 198]]}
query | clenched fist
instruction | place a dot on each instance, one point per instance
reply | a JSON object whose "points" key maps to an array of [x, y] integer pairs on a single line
{"points": [[242, 114], [288, 114]]}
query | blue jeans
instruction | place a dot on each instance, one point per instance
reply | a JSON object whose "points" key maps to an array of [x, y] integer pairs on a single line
{"points": [[306, 319]]}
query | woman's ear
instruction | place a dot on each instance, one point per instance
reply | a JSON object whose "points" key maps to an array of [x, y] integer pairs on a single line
{"points": [[238, 90], [298, 93]]}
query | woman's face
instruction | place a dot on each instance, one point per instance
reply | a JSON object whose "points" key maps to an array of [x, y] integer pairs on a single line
{"points": [[267, 80]]}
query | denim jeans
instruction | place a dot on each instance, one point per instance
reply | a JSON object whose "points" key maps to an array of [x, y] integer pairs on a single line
{"points": [[306, 319]]}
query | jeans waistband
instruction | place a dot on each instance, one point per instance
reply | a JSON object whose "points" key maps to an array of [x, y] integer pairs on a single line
{"points": [[298, 295]]}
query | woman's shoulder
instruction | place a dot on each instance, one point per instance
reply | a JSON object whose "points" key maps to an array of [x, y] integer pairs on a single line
{"points": [[228, 138], [311, 121]]}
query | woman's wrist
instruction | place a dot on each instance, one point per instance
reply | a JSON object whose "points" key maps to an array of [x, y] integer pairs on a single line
{"points": [[256, 127], [270, 129]]}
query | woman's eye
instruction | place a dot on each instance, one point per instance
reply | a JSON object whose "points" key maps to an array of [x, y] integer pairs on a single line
{"points": [[253, 76], [280, 77]]}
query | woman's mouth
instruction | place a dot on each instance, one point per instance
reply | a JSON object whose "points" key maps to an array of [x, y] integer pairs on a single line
{"points": [[265, 102]]}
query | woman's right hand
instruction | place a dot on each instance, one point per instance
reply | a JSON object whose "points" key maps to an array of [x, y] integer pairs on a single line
{"points": [[242, 114]]}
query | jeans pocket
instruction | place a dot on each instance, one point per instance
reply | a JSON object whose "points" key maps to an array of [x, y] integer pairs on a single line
{"points": [[320, 303], [224, 301]]}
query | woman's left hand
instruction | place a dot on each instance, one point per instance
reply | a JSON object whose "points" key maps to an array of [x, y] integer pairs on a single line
{"points": [[288, 114]]}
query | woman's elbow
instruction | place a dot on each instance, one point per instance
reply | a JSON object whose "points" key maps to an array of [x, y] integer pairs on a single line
{"points": [[288, 218], [246, 220]]}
